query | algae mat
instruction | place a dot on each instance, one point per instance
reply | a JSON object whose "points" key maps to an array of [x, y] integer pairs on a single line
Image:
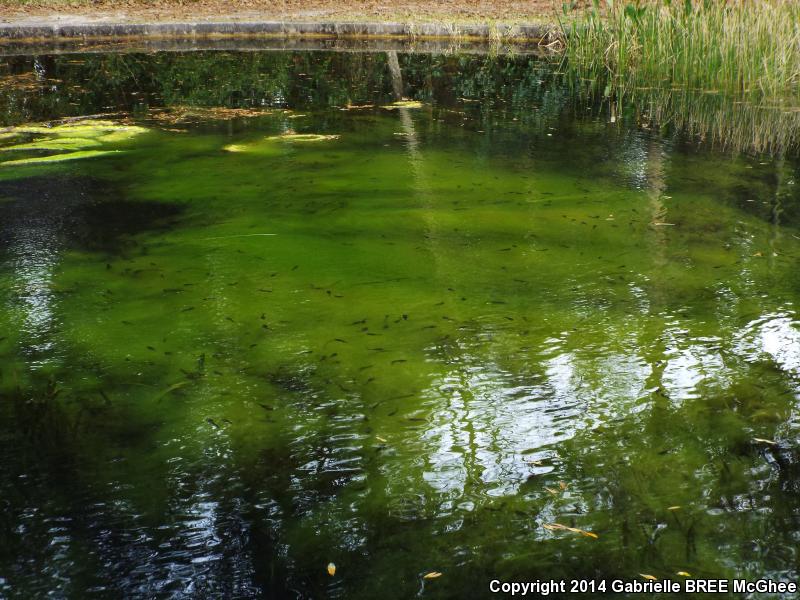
{"points": [[288, 343]]}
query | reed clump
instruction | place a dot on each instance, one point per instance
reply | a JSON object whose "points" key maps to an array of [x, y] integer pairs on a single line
{"points": [[740, 46], [731, 68]]}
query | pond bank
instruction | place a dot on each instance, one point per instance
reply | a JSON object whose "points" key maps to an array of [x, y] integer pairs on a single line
{"points": [[74, 28]]}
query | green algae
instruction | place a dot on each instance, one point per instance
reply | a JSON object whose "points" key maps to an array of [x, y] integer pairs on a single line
{"points": [[401, 354], [65, 143], [57, 158], [71, 140], [274, 145]]}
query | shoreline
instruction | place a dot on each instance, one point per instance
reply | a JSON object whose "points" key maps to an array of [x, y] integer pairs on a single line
{"points": [[74, 29]]}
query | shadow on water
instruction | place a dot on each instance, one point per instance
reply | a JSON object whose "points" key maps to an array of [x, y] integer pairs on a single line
{"points": [[77, 213], [404, 344]]}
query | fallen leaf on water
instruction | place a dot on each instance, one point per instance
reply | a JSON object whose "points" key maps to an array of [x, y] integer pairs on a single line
{"points": [[649, 577], [331, 569], [432, 575], [188, 114], [560, 527], [403, 104], [673, 508], [380, 439], [763, 441], [758, 254], [562, 485], [684, 574], [290, 136]]}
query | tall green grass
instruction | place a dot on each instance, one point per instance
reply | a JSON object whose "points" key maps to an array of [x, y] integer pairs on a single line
{"points": [[728, 68], [742, 46]]}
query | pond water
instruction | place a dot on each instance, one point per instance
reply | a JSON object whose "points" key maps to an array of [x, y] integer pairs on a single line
{"points": [[418, 340]]}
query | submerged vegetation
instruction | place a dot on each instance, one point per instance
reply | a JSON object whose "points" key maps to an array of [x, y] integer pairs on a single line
{"points": [[299, 345], [72, 140], [727, 70]]}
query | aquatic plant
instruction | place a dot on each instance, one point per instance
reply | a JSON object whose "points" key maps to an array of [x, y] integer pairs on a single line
{"points": [[733, 47], [73, 140], [724, 71]]}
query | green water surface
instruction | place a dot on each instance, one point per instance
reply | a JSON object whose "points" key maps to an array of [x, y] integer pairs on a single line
{"points": [[229, 359]]}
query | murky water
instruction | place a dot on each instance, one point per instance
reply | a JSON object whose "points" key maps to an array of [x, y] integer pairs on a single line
{"points": [[230, 357]]}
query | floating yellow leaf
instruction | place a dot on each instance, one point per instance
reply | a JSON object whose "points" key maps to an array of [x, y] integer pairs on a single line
{"points": [[684, 574], [673, 507], [403, 104], [560, 527], [649, 577], [303, 137], [763, 441], [331, 569], [380, 439], [432, 575]]}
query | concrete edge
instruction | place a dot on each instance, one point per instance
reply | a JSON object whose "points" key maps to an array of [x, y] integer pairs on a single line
{"points": [[266, 44], [54, 31]]}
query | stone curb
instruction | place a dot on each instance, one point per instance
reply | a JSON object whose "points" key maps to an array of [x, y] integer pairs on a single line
{"points": [[58, 31]]}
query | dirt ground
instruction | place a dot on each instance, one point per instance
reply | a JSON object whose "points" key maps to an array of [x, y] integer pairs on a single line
{"points": [[449, 11]]}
